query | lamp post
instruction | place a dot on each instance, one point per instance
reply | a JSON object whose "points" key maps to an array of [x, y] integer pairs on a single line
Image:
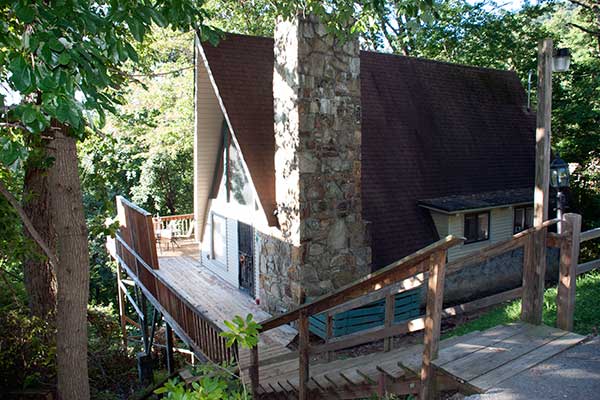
{"points": [[534, 270], [559, 180]]}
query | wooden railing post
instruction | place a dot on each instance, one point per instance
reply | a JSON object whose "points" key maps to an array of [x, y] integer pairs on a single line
{"points": [[253, 371], [388, 319], [169, 345], [569, 256], [303, 356], [121, 300], [329, 334], [433, 321], [534, 273]]}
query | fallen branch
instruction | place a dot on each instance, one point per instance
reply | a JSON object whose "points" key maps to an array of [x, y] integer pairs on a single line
{"points": [[28, 225]]}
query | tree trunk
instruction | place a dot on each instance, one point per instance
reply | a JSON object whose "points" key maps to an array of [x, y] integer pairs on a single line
{"points": [[40, 279], [72, 272]]}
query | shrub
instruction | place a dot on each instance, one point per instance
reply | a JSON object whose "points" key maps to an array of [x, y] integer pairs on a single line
{"points": [[27, 353]]}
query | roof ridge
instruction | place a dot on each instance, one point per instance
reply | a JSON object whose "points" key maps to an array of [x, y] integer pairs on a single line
{"points": [[392, 55], [429, 60]]}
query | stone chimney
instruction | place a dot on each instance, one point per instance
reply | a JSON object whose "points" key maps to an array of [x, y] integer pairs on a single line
{"points": [[316, 91]]}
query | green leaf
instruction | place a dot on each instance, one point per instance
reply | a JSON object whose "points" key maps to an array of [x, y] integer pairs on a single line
{"points": [[11, 152], [137, 29], [25, 13], [62, 111], [22, 76], [64, 59], [56, 45], [131, 52], [29, 115], [158, 18]]}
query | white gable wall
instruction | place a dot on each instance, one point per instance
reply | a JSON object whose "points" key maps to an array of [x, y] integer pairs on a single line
{"points": [[210, 114], [209, 120], [232, 212]]}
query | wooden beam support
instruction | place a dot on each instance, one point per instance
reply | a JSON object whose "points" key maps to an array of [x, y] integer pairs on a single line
{"points": [[388, 319], [303, 356], [121, 300], [533, 282], [253, 371], [534, 267], [169, 346], [569, 256], [543, 133], [329, 334], [433, 322]]}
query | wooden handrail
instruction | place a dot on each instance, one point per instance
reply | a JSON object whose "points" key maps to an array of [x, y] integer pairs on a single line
{"points": [[399, 270], [133, 206], [160, 279], [590, 234], [496, 249], [174, 217], [393, 289]]}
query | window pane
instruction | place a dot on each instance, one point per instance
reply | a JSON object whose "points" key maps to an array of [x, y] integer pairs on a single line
{"points": [[529, 217], [470, 228], [240, 184], [218, 239], [519, 219], [483, 226]]}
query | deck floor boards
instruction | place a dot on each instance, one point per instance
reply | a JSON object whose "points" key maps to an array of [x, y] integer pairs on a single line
{"points": [[479, 359], [217, 299]]}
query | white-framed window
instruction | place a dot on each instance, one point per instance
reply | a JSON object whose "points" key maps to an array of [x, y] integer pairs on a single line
{"points": [[523, 218], [218, 247], [477, 227]]}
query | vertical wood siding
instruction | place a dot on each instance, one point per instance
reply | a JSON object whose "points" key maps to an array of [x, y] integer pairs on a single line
{"points": [[209, 119]]}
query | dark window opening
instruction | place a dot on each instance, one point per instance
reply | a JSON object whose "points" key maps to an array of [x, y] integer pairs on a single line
{"points": [[477, 227], [523, 218]]}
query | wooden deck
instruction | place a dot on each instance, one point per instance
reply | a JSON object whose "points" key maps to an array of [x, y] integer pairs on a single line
{"points": [[194, 303], [475, 362], [216, 299]]}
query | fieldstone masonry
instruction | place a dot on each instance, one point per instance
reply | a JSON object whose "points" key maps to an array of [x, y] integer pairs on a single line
{"points": [[316, 90]]}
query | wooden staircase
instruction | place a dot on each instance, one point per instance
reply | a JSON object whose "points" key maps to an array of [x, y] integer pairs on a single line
{"points": [[472, 363]]}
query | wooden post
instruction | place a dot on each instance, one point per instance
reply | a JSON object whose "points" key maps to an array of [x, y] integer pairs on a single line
{"points": [[329, 334], [253, 371], [569, 257], [169, 343], [303, 356], [433, 321], [534, 266], [389, 319], [144, 321], [121, 300]]}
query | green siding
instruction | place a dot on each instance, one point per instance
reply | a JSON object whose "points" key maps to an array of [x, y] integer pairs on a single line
{"points": [[406, 307]]}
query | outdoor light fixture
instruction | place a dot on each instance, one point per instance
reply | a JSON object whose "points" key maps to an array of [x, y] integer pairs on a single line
{"points": [[559, 174], [561, 59]]}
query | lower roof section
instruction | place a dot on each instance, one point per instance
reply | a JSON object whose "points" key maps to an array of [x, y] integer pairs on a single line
{"points": [[478, 201]]}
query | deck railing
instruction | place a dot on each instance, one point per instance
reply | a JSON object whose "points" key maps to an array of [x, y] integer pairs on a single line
{"points": [[430, 260], [181, 225], [428, 266], [135, 252], [425, 267]]}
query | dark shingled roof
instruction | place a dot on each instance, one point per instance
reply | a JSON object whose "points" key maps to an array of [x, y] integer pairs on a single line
{"points": [[242, 67], [478, 201], [429, 129]]}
